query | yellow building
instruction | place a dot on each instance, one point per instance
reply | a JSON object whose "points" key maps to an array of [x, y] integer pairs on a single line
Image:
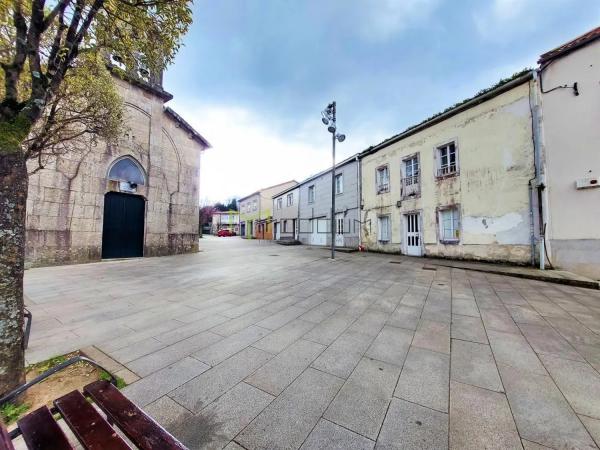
{"points": [[456, 185]]}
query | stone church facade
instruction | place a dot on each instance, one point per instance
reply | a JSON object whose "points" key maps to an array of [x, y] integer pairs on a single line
{"points": [[138, 197]]}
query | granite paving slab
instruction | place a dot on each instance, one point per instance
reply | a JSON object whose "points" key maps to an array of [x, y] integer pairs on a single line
{"points": [[408, 426], [480, 419], [239, 349]]}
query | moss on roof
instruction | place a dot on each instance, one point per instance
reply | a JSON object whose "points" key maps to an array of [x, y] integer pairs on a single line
{"points": [[497, 85]]}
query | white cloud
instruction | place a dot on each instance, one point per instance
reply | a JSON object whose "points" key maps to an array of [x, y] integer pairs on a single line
{"points": [[250, 151], [503, 20], [381, 19]]}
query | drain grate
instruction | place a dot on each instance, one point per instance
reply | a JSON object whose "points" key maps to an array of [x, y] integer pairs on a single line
{"points": [[429, 268], [395, 262], [273, 255]]}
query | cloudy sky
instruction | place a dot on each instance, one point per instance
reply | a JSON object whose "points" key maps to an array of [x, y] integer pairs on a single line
{"points": [[254, 75]]}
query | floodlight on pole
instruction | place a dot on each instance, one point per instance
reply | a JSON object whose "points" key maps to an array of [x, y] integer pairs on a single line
{"points": [[329, 119]]}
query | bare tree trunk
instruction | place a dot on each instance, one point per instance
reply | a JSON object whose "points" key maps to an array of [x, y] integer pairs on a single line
{"points": [[13, 199]]}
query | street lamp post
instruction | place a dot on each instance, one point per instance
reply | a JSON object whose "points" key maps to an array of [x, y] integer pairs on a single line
{"points": [[329, 118]]}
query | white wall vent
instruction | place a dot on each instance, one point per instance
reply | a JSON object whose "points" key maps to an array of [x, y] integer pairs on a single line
{"points": [[585, 183]]}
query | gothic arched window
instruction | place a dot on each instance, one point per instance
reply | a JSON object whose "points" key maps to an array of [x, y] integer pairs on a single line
{"points": [[127, 169]]}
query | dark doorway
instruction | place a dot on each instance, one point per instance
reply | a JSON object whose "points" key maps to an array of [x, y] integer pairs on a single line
{"points": [[123, 230]]}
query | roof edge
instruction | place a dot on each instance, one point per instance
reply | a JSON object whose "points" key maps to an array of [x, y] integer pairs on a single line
{"points": [[291, 188], [269, 187], [195, 135], [450, 113], [570, 46], [326, 171], [153, 89]]}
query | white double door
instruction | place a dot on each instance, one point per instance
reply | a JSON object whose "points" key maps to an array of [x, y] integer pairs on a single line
{"points": [[339, 230], [412, 234], [277, 231], [319, 231]]}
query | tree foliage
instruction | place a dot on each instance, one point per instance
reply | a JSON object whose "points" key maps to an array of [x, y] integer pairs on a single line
{"points": [[86, 108], [206, 213], [229, 205], [52, 63]]}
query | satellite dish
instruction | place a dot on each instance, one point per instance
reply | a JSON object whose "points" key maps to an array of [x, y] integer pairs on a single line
{"points": [[325, 121], [341, 137], [331, 129]]}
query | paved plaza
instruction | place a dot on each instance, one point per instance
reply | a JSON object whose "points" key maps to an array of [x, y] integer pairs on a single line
{"points": [[254, 345]]}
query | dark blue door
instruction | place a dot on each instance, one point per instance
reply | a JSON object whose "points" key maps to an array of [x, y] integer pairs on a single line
{"points": [[123, 230]]}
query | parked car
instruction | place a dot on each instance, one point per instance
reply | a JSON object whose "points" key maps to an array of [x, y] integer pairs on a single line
{"points": [[225, 233]]}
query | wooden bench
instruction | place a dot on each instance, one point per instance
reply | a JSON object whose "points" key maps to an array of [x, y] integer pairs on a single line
{"points": [[41, 431]]}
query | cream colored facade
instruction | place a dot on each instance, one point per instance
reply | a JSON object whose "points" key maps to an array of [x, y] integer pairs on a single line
{"points": [[571, 142], [229, 220], [488, 193]]}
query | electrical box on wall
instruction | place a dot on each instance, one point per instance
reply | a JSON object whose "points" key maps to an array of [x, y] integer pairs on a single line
{"points": [[585, 183]]}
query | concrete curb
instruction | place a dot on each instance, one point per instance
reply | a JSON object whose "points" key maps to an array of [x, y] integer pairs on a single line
{"points": [[578, 282]]}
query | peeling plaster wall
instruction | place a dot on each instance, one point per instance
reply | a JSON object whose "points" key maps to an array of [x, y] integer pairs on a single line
{"points": [[495, 160], [571, 149], [65, 205]]}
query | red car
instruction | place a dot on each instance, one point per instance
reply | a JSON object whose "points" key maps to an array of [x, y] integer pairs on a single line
{"points": [[225, 233]]}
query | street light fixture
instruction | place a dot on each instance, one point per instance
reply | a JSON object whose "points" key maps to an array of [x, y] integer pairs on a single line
{"points": [[328, 118]]}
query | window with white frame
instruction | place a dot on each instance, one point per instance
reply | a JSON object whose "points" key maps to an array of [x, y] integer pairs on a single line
{"points": [[449, 224], [290, 199], [254, 205], [339, 225], [447, 161], [339, 183], [411, 176], [311, 194], [411, 170], [383, 229], [279, 203], [382, 179]]}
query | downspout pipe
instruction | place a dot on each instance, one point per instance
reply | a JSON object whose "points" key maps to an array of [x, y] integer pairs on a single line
{"points": [[539, 175], [359, 199], [531, 222]]}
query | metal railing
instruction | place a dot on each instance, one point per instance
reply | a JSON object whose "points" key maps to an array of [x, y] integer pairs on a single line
{"points": [[383, 187], [447, 170], [411, 186]]}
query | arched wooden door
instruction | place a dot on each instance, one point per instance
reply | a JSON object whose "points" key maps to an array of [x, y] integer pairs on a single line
{"points": [[123, 230]]}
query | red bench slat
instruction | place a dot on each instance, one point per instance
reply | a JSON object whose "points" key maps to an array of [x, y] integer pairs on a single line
{"points": [[92, 430], [41, 431], [141, 429], [5, 442]]}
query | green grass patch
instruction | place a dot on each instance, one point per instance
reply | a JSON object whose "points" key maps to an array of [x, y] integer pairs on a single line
{"points": [[9, 412], [48, 364], [106, 376]]}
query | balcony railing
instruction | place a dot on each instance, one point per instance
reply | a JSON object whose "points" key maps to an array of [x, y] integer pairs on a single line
{"points": [[382, 188], [447, 170], [411, 186]]}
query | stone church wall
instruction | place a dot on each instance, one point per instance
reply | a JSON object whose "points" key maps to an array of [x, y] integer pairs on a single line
{"points": [[65, 204]]}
